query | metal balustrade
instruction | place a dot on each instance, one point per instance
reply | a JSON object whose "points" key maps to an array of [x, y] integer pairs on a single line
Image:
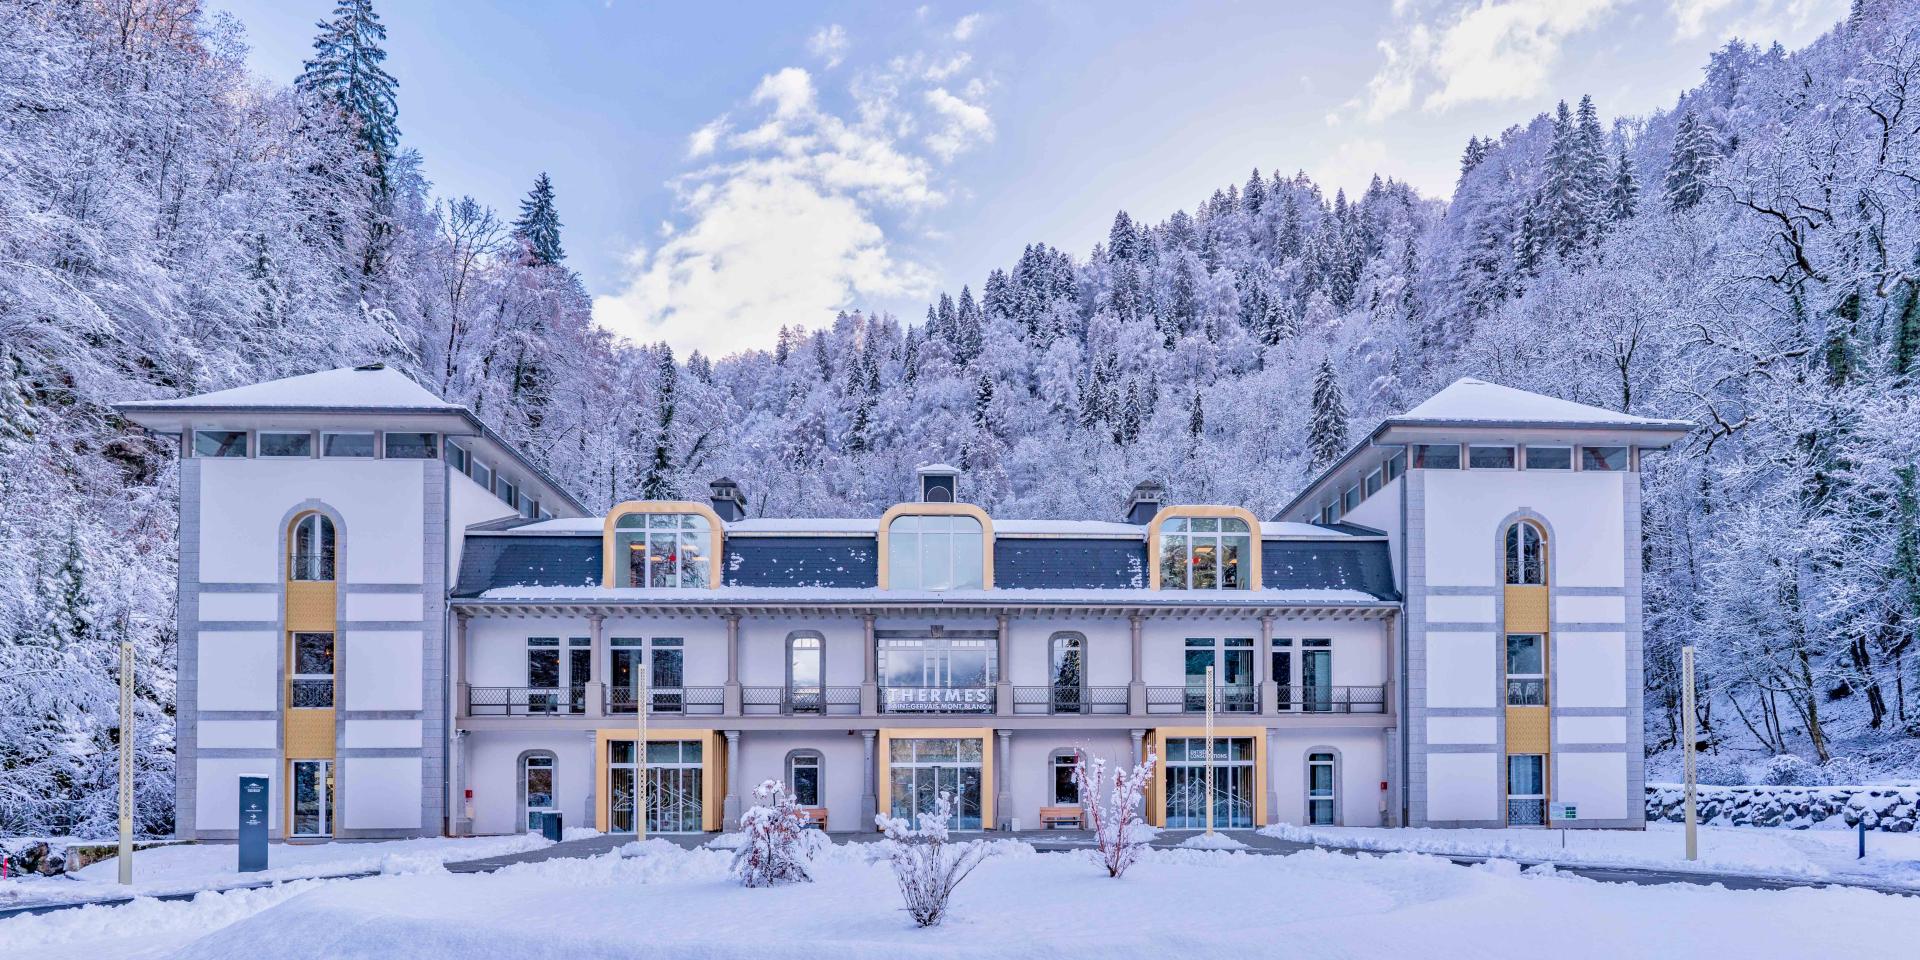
{"points": [[799, 701], [1082, 701], [525, 701], [1345, 699], [1192, 698], [677, 701]]}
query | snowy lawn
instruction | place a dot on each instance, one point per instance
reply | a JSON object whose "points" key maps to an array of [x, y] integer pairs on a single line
{"points": [[668, 902], [1821, 854], [181, 868]]}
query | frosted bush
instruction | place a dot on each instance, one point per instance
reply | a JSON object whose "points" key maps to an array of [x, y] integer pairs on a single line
{"points": [[1788, 770], [772, 847], [1844, 770], [1119, 834], [926, 862], [1721, 771]]}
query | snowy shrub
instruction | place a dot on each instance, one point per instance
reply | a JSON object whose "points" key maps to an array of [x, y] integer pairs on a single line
{"points": [[1787, 770], [772, 847], [1119, 834], [1845, 770], [1722, 771], [926, 862]]}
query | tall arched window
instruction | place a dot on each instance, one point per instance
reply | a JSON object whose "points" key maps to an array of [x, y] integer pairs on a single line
{"points": [[806, 672], [1205, 551], [1526, 555], [936, 552], [1067, 670], [312, 548], [536, 788]]}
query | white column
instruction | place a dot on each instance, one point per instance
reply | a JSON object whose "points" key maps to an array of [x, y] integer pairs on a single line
{"points": [[869, 803], [460, 666], [730, 694], [1003, 789], [1137, 687], [1003, 688], [1139, 745], [462, 816], [730, 807], [1263, 669], [1273, 777], [595, 768], [870, 684]]}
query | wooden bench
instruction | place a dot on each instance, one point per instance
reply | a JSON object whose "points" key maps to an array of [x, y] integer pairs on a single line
{"points": [[1051, 817], [815, 817]]}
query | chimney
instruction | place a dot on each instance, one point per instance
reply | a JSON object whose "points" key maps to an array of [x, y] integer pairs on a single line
{"points": [[1145, 502], [728, 502], [939, 483]]}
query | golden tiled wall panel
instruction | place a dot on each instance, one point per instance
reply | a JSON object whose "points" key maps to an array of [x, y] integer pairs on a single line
{"points": [[310, 605], [309, 734], [1526, 609], [1527, 729]]}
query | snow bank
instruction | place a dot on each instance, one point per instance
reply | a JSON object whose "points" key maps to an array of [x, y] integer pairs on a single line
{"points": [[1895, 808], [1806, 855], [1212, 841], [682, 903]]}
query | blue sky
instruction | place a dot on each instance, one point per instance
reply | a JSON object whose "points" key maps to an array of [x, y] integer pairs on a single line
{"points": [[723, 169]]}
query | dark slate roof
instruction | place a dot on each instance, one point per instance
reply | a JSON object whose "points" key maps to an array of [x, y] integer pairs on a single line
{"points": [[1069, 564], [527, 561], [1363, 565], [802, 562]]}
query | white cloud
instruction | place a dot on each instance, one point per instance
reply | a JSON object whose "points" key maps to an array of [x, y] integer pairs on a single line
{"points": [[829, 43], [965, 27], [1485, 51], [1759, 21], [963, 124], [786, 218], [1352, 165]]}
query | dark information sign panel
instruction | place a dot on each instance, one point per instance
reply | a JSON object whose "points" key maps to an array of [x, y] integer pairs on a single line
{"points": [[253, 824]]}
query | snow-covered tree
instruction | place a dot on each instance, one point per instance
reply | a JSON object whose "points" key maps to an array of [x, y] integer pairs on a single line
{"points": [[538, 226], [346, 71], [774, 847], [1327, 434], [927, 862], [1690, 168], [1114, 807]]}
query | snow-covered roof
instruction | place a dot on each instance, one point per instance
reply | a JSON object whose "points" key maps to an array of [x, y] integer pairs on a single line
{"points": [[856, 526], [1471, 400], [1304, 531], [370, 387]]}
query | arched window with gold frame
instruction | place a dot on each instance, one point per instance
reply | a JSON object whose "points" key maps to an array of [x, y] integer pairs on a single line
{"points": [[1204, 548], [1526, 555], [312, 548], [936, 546]]}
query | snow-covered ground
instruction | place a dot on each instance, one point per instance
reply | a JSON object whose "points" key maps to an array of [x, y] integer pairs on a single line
{"points": [[210, 866], [1820, 854], [669, 902]]}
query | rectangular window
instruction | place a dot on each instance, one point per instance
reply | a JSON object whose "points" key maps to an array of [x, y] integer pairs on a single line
{"points": [[1526, 789], [1373, 483], [1490, 458], [505, 490], [529, 507], [1603, 458], [543, 674], [482, 475], [413, 446], [1526, 670], [1436, 456], [803, 777], [286, 444], [1549, 458], [1396, 465], [346, 444], [1329, 513], [457, 456], [219, 443], [312, 670], [1351, 499]]}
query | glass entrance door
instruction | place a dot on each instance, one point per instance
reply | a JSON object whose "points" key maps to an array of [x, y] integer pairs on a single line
{"points": [[1232, 783], [674, 781], [1316, 679], [312, 798], [623, 681], [921, 770], [805, 674]]}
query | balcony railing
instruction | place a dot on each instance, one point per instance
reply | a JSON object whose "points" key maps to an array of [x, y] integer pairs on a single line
{"points": [[681, 701], [1233, 698], [1080, 701], [1350, 699], [525, 701], [799, 701], [936, 699]]}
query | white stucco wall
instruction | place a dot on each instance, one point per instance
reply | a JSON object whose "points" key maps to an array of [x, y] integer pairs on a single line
{"points": [[244, 503], [1464, 786], [379, 793], [1594, 782], [763, 756], [238, 670], [1584, 511], [494, 776], [1360, 767]]}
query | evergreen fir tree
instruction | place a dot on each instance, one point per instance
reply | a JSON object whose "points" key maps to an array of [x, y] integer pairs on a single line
{"points": [[658, 484], [1327, 431], [1696, 151], [968, 337], [983, 404], [538, 226], [17, 420], [1255, 195], [346, 71], [783, 345], [1196, 417], [1476, 151], [1623, 194]]}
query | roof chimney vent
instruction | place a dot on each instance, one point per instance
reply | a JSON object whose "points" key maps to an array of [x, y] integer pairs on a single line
{"points": [[1144, 503], [727, 499], [939, 483]]}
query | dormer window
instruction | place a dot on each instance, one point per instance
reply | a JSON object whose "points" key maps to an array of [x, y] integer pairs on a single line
{"points": [[936, 552], [1206, 553], [661, 548]]}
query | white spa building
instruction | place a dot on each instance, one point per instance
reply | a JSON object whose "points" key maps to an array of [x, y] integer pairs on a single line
{"points": [[411, 630]]}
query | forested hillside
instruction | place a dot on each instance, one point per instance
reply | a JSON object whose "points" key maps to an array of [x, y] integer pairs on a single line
{"points": [[1746, 259]]}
